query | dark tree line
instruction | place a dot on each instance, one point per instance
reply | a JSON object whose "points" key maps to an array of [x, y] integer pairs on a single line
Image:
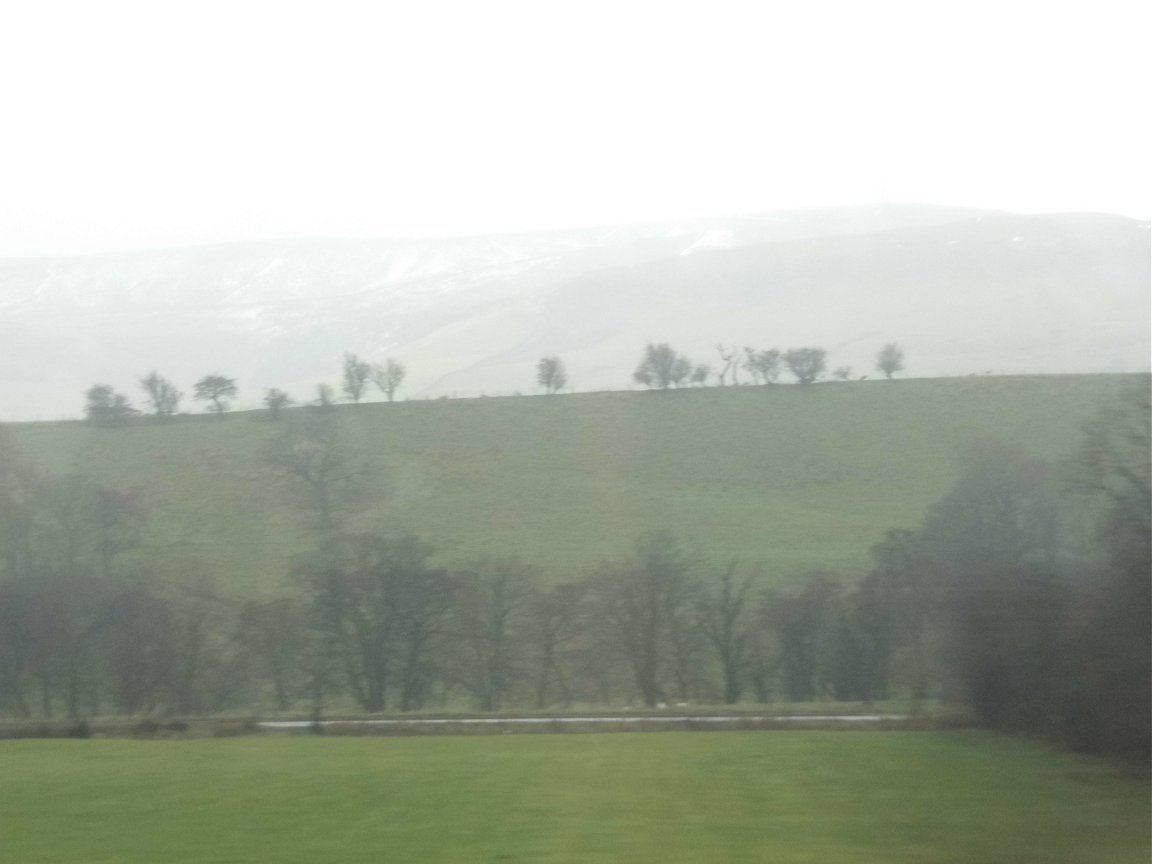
{"points": [[91, 623], [83, 632], [1024, 596]]}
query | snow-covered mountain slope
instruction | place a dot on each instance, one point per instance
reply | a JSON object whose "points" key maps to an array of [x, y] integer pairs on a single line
{"points": [[963, 291]]}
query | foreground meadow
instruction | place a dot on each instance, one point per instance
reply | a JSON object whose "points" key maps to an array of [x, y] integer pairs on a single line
{"points": [[823, 797]]}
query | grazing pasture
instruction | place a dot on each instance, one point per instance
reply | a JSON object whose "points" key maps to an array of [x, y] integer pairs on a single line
{"points": [[803, 478], [672, 798]]}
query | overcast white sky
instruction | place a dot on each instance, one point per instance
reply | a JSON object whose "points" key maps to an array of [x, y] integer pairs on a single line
{"points": [[126, 124]]}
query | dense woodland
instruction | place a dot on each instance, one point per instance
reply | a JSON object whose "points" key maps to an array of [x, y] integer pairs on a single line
{"points": [[1022, 598]]}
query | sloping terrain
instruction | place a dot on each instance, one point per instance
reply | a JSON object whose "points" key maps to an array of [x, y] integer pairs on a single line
{"points": [[962, 290], [802, 478]]}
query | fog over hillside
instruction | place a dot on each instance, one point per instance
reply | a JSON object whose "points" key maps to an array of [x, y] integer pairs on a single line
{"points": [[963, 291]]}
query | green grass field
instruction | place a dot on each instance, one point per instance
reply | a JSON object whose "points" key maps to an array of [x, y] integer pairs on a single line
{"points": [[672, 798], [803, 478]]}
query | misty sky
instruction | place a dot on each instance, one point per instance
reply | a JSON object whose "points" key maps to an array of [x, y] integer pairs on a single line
{"points": [[139, 124]]}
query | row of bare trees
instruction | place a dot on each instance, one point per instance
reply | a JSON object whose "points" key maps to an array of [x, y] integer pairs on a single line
{"points": [[105, 406], [376, 620], [94, 620], [87, 627], [662, 367]]}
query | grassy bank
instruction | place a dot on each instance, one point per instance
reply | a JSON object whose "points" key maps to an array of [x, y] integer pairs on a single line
{"points": [[798, 797]]}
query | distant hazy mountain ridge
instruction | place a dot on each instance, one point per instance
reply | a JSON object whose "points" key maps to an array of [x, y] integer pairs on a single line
{"points": [[963, 291]]}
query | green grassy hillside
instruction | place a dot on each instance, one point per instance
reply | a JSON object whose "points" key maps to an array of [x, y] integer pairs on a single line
{"points": [[801, 477]]}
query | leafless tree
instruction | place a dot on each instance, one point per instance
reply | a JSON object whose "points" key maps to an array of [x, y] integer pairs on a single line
{"points": [[105, 407], [550, 374], [215, 389], [806, 364], [489, 623], [162, 394], [389, 376], [730, 357], [558, 618], [662, 367], [276, 401], [310, 451], [724, 611], [356, 374], [763, 366], [640, 600], [890, 360]]}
